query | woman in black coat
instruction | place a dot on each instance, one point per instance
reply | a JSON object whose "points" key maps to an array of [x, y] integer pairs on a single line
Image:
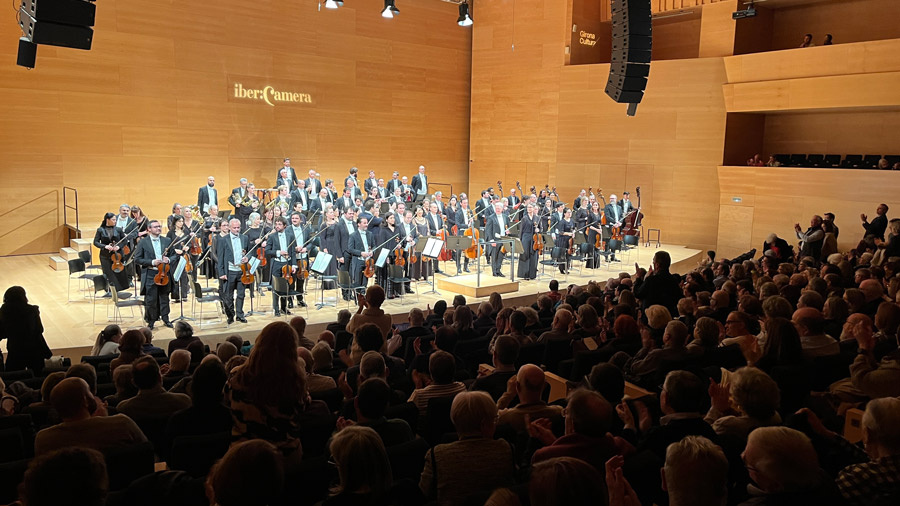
{"points": [[20, 323]]}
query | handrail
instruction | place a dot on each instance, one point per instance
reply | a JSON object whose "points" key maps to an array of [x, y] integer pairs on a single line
{"points": [[26, 203], [66, 207], [29, 222]]}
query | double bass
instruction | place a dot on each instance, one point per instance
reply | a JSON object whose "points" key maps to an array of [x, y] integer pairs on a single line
{"points": [[633, 219], [474, 250]]}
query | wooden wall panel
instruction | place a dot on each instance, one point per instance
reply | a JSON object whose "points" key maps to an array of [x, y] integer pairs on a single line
{"points": [[717, 29], [847, 21], [832, 133], [148, 113], [877, 90]]}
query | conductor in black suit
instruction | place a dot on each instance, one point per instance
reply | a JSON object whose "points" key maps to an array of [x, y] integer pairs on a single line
{"points": [[280, 251], [494, 230], [153, 251], [232, 252], [207, 196], [361, 247]]}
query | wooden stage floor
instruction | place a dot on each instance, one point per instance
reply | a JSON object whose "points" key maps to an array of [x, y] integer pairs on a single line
{"points": [[69, 330]]}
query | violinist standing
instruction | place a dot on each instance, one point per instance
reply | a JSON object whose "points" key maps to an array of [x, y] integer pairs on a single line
{"points": [[529, 225], [360, 248], [565, 230], [232, 252], [301, 232], [107, 241], [280, 251], [150, 254]]}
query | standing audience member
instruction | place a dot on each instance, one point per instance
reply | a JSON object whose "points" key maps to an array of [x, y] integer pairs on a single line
{"points": [[20, 325]]}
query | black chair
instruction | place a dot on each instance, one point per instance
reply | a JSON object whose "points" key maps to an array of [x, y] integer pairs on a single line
{"points": [[314, 434], [408, 459], [827, 369], [556, 351], [342, 340], [345, 283], [10, 376], [832, 161], [798, 160], [852, 161], [128, 463], [97, 360], [104, 389], [24, 426], [11, 475], [815, 160], [196, 454], [42, 416], [530, 354], [474, 352], [784, 160], [406, 411], [870, 161], [12, 445], [437, 419], [333, 397], [892, 159], [154, 427]]}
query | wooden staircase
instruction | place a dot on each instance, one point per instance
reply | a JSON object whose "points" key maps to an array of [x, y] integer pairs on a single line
{"points": [[60, 262]]}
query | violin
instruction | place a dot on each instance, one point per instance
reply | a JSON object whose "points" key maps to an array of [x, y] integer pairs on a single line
{"points": [[196, 249], [162, 275], [247, 276], [188, 265], [413, 258], [537, 240], [117, 265], [369, 270], [287, 273], [399, 258], [126, 249]]}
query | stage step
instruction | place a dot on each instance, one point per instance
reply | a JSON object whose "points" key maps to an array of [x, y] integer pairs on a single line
{"points": [[80, 244], [68, 253], [58, 263]]}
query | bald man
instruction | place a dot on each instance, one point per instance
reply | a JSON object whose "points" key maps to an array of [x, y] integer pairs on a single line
{"points": [[810, 324], [874, 293], [559, 330], [74, 402], [528, 385]]}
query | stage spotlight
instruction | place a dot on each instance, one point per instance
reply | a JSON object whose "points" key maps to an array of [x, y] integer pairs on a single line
{"points": [[464, 18], [333, 4], [390, 10]]}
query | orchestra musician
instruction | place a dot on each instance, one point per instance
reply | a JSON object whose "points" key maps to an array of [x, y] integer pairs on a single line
{"points": [[346, 201], [421, 269], [302, 234], [241, 201], [495, 229], [436, 199], [395, 182], [292, 174], [352, 176], [408, 237], [596, 217], [180, 237], [614, 218], [317, 205], [176, 211], [480, 207], [280, 252], [211, 226], [435, 223], [332, 191], [346, 227], [514, 203], [328, 240], [207, 196], [150, 254], [370, 182], [285, 179], [313, 184], [107, 240], [353, 189], [565, 229], [406, 189], [420, 182], [232, 253], [360, 248], [389, 236], [283, 199], [528, 226], [140, 231], [300, 195]]}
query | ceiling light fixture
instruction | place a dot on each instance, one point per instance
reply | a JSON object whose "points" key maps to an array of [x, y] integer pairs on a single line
{"points": [[464, 18], [390, 10], [333, 4]]}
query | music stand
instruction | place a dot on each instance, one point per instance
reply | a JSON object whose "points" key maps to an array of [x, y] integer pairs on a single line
{"points": [[254, 266], [431, 251], [319, 265], [418, 199], [179, 270], [385, 207], [458, 244], [516, 248]]}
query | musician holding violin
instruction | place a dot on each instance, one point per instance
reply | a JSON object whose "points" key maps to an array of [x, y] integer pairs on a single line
{"points": [[597, 241], [281, 253], [564, 241], [389, 236], [496, 228], [154, 255], [109, 239], [532, 242], [614, 218], [233, 258], [360, 248], [180, 237], [301, 246]]}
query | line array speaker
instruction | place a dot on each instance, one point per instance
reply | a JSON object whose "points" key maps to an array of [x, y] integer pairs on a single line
{"points": [[632, 38]]}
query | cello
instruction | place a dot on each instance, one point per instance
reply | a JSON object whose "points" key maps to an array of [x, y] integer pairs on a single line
{"points": [[633, 220], [474, 250]]}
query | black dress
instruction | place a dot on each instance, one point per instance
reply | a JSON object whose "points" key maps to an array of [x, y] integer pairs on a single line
{"points": [[182, 242], [25, 345], [528, 260], [103, 237], [328, 240], [561, 250]]}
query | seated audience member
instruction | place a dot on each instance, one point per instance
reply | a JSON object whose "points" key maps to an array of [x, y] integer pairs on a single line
{"points": [[148, 348], [807, 41], [483, 322], [178, 366], [184, 336], [517, 323], [828, 40], [363, 468], [298, 323], [74, 402], [123, 378], [340, 325], [50, 381], [562, 481], [207, 414], [754, 393], [705, 337], [506, 351], [368, 338], [559, 329], [131, 346], [682, 404], [811, 299], [874, 294], [875, 478], [107, 342], [784, 468], [608, 381], [528, 386], [835, 312], [66, 477], [874, 379], [782, 347], [476, 462], [314, 382], [371, 402], [441, 367], [151, 400], [737, 331], [887, 321], [323, 360], [237, 341], [225, 351], [463, 323], [647, 361], [250, 474], [89, 375], [435, 316], [811, 326], [588, 323], [588, 420]]}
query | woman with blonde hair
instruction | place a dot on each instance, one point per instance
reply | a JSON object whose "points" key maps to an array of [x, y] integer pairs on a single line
{"points": [[363, 468], [107, 342]]}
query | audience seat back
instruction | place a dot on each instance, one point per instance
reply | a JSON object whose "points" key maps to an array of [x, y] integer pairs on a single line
{"points": [[126, 464], [437, 419], [22, 424], [11, 475], [408, 459], [196, 454]]}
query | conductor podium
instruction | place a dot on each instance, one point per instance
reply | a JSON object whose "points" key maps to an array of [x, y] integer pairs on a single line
{"points": [[482, 284]]}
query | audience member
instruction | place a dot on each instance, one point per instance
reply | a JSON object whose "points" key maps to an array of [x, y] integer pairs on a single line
{"points": [[250, 474], [107, 342], [315, 383], [504, 356], [370, 404], [753, 401], [364, 470], [528, 385], [71, 476], [206, 414], [184, 336], [152, 400], [298, 323], [225, 351], [442, 368]]}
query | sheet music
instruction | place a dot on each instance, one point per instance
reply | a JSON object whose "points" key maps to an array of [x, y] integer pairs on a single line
{"points": [[254, 264], [321, 262], [382, 257], [179, 269], [433, 247]]}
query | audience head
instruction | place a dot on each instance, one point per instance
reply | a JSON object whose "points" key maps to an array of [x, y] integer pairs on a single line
{"points": [[416, 317], [327, 336], [208, 383], [439, 307], [675, 335], [780, 459], [85, 372], [809, 321], [369, 337], [179, 361], [695, 473], [608, 381], [306, 356], [123, 378], [72, 399], [683, 392], [51, 381], [474, 414], [110, 333], [372, 365], [362, 462], [530, 382], [298, 323], [658, 316], [132, 342], [706, 332], [146, 373], [442, 367], [343, 317], [565, 481], [562, 319], [626, 327], [225, 351], [755, 393], [323, 357], [459, 300], [496, 301], [462, 318], [517, 322], [810, 299], [250, 474], [68, 477], [881, 427], [588, 414], [183, 330], [272, 374], [506, 351], [372, 399]]}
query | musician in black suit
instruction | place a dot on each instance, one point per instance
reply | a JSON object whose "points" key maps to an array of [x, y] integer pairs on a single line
{"points": [[382, 191], [626, 204], [108, 240], [239, 199], [614, 214], [345, 227], [420, 183], [370, 182], [280, 252], [346, 201], [480, 205], [435, 223], [332, 191], [285, 179], [207, 196], [152, 251], [292, 174], [313, 184], [565, 230], [211, 226], [353, 188], [394, 183], [300, 195], [495, 229], [360, 248], [232, 252], [461, 217], [529, 225], [514, 204], [352, 176], [302, 246]]}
